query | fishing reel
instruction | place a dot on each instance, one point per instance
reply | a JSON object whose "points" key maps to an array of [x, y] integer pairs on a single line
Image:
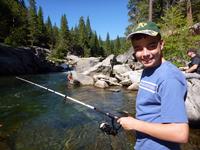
{"points": [[114, 127], [109, 129]]}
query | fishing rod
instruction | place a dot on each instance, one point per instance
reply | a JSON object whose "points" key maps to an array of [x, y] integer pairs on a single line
{"points": [[105, 127]]}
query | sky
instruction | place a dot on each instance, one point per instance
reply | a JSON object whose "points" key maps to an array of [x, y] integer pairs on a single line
{"points": [[105, 15]]}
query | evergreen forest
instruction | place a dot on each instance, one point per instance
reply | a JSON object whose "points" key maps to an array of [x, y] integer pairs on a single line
{"points": [[22, 25]]}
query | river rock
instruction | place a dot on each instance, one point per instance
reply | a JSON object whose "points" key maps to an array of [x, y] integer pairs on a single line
{"points": [[101, 84]]}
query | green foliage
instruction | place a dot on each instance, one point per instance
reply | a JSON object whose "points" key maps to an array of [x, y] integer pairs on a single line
{"points": [[64, 44], [173, 21], [176, 34], [196, 10], [22, 26], [33, 23], [83, 37], [107, 47], [172, 18], [50, 37], [12, 22], [25, 26], [137, 11], [117, 45], [88, 29], [42, 33]]}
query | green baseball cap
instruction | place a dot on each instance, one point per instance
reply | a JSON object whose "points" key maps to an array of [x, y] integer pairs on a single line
{"points": [[149, 28]]}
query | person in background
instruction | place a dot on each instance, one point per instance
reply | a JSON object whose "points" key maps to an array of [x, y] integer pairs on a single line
{"points": [[161, 121], [70, 78], [194, 65]]}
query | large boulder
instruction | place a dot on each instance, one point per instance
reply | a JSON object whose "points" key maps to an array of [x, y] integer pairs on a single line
{"points": [[193, 97], [103, 67], [127, 57], [81, 64], [82, 79], [121, 69], [16, 61]]}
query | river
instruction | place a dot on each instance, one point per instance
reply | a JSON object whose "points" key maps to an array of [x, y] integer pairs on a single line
{"points": [[35, 119]]}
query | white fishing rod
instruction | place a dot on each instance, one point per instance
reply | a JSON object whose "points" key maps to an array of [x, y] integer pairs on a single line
{"points": [[104, 127]]}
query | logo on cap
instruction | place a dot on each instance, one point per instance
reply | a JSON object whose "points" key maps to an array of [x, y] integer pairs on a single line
{"points": [[141, 25]]}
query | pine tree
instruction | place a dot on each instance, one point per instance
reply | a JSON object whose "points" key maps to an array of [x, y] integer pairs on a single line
{"points": [[5, 16], [55, 36], [137, 11], [108, 49], [33, 23], [112, 47], [83, 41], [88, 29], [13, 23], [196, 10], [100, 41], [42, 33], [49, 35], [94, 45], [64, 44], [76, 47], [117, 45], [101, 45]]}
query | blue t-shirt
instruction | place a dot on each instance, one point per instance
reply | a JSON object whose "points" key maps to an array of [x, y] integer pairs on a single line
{"points": [[160, 99]]}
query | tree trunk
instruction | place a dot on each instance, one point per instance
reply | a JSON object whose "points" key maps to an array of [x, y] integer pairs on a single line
{"points": [[150, 9], [189, 13]]}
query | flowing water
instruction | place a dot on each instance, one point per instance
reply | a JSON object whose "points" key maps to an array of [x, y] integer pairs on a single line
{"points": [[35, 119]]}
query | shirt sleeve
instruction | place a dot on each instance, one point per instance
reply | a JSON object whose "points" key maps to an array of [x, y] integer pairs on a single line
{"points": [[196, 61], [172, 94]]}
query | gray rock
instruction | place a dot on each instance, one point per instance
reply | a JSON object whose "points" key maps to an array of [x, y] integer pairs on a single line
{"points": [[133, 87], [126, 57], [121, 69], [83, 79], [16, 61], [101, 84], [103, 67], [193, 100]]}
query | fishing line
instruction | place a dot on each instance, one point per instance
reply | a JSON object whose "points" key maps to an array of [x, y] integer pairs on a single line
{"points": [[105, 127]]}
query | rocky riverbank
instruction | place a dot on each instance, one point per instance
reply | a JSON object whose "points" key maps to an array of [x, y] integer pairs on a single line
{"points": [[16, 61], [125, 72], [110, 73]]}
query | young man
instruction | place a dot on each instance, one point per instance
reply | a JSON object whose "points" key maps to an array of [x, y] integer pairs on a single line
{"points": [[161, 121], [194, 65]]}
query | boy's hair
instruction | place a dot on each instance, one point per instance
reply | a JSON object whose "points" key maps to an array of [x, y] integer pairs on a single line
{"points": [[192, 50]]}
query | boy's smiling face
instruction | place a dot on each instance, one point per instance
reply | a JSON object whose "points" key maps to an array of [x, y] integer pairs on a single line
{"points": [[148, 50]]}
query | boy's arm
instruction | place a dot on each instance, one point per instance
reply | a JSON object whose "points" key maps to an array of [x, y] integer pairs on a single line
{"points": [[174, 132]]}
